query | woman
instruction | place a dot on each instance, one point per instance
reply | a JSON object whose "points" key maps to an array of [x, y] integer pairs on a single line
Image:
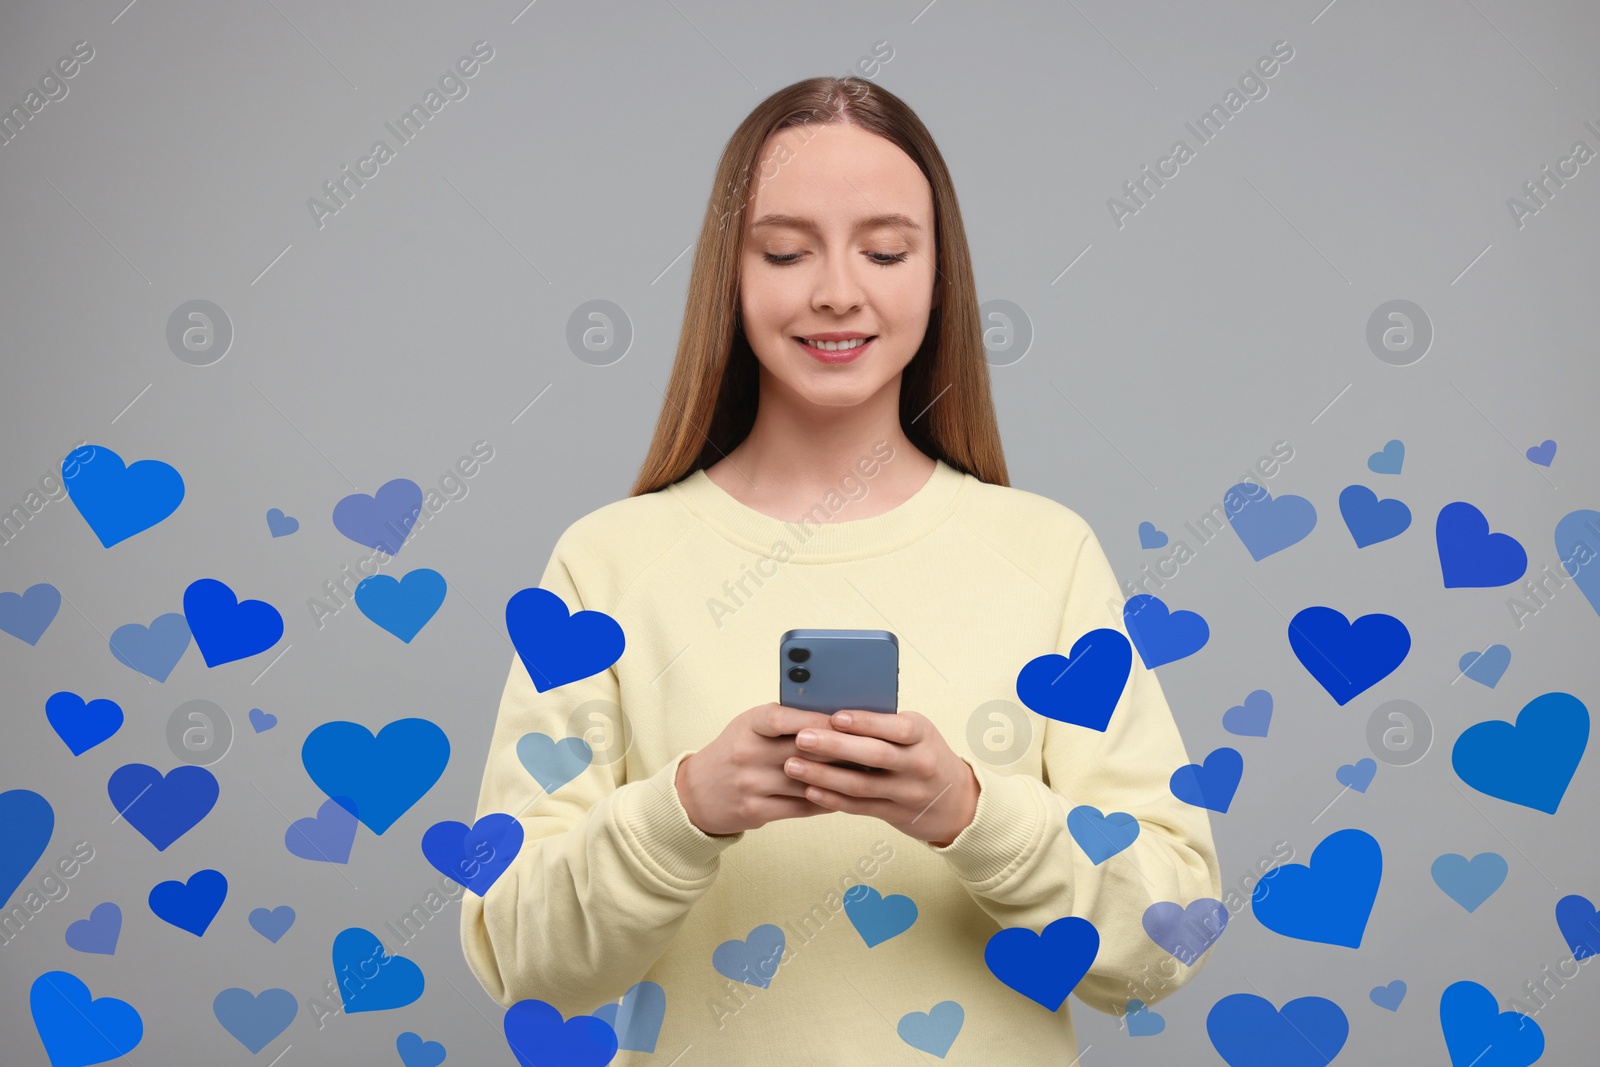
{"points": [[827, 456]]}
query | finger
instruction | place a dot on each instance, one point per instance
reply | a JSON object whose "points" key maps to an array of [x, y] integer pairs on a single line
{"points": [[902, 728], [775, 720], [867, 784], [833, 746], [829, 800]]}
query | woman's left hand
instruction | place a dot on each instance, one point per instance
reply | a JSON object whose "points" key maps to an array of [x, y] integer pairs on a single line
{"points": [[921, 787]]}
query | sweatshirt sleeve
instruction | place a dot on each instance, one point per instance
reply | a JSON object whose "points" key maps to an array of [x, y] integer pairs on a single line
{"points": [[608, 868], [1020, 863]]}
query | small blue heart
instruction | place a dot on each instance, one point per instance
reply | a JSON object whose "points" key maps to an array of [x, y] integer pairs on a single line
{"points": [[1389, 996], [1046, 966], [1369, 519], [1142, 1020], [99, 932], [255, 1019], [553, 763], [1163, 636], [1101, 836], [1470, 882], [753, 960], [415, 1052], [82, 724], [876, 917], [1082, 687], [190, 905], [1579, 924], [1530, 762], [262, 720], [1265, 524], [1252, 718], [1150, 537], [1486, 667], [155, 649], [1542, 454], [932, 1031], [1357, 775], [27, 615], [272, 923], [1210, 784], [402, 606], [398, 980], [77, 1028], [1477, 1034], [1389, 460], [281, 525]]}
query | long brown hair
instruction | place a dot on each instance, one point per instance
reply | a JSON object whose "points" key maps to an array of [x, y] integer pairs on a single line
{"points": [[710, 402]]}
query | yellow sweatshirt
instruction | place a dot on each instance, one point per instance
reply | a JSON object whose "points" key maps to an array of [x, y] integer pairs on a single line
{"points": [[616, 892]]}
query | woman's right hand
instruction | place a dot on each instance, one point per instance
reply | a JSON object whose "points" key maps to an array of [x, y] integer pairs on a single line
{"points": [[737, 782]]}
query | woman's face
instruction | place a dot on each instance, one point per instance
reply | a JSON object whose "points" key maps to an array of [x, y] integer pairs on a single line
{"points": [[839, 240]]}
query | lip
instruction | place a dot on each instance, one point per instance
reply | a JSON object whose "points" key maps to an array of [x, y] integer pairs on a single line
{"points": [[822, 356]]}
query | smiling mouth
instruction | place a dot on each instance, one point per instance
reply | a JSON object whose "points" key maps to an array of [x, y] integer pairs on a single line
{"points": [[836, 354]]}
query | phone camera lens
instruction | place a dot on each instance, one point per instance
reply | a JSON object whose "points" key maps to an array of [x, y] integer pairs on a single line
{"points": [[799, 674], [799, 655]]}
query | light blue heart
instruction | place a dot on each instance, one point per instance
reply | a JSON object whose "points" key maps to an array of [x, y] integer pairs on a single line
{"points": [[1264, 523], [1150, 537], [876, 917], [1470, 882], [1101, 836], [933, 1031], [281, 525], [404, 606], [1389, 996], [637, 1019], [754, 960], [1357, 775], [1530, 762], [254, 1019], [1389, 460], [554, 763], [1142, 1020], [1252, 718], [1487, 666], [1578, 545]]}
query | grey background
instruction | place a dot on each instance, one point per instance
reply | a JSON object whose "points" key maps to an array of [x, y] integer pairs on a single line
{"points": [[431, 311]]}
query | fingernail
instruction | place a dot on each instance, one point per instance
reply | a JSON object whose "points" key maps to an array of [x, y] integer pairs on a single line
{"points": [[793, 766], [806, 739], [842, 718]]}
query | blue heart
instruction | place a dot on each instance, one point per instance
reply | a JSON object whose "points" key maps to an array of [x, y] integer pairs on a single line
{"points": [[1486, 667], [383, 520], [369, 978], [225, 627], [1357, 775], [190, 905], [1266, 525], [327, 836], [1470, 882], [538, 1037], [154, 650], [754, 960], [1252, 718], [1082, 687], [82, 725], [1529, 763], [1247, 1031], [119, 501], [1047, 966], [403, 607], [1211, 784], [932, 1031], [474, 856], [1578, 544], [99, 932], [415, 1052], [637, 1020], [1389, 996], [254, 1019], [1542, 454], [281, 525], [1327, 900], [555, 647], [1160, 636], [1477, 1034], [1348, 658], [26, 822], [1389, 460], [553, 763], [76, 1029], [162, 807], [1369, 519], [1471, 556], [1186, 931], [272, 923], [1149, 537], [261, 721], [1579, 924], [382, 776], [26, 616], [1142, 1020], [1101, 836], [876, 917]]}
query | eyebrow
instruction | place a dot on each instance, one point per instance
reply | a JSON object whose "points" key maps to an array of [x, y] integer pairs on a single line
{"points": [[892, 218]]}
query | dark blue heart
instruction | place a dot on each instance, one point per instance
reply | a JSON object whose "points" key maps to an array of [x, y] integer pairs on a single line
{"points": [[1348, 658], [474, 856], [1082, 687], [1047, 966], [557, 647], [82, 725], [1471, 556], [163, 809], [225, 627], [190, 905], [539, 1038]]}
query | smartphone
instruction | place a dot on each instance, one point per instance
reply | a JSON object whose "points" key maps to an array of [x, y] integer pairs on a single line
{"points": [[830, 670]]}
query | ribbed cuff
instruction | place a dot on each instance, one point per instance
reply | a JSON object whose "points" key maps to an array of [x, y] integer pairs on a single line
{"points": [[653, 816], [1005, 827]]}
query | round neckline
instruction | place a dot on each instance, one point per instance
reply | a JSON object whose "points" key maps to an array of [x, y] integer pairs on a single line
{"points": [[813, 537]]}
